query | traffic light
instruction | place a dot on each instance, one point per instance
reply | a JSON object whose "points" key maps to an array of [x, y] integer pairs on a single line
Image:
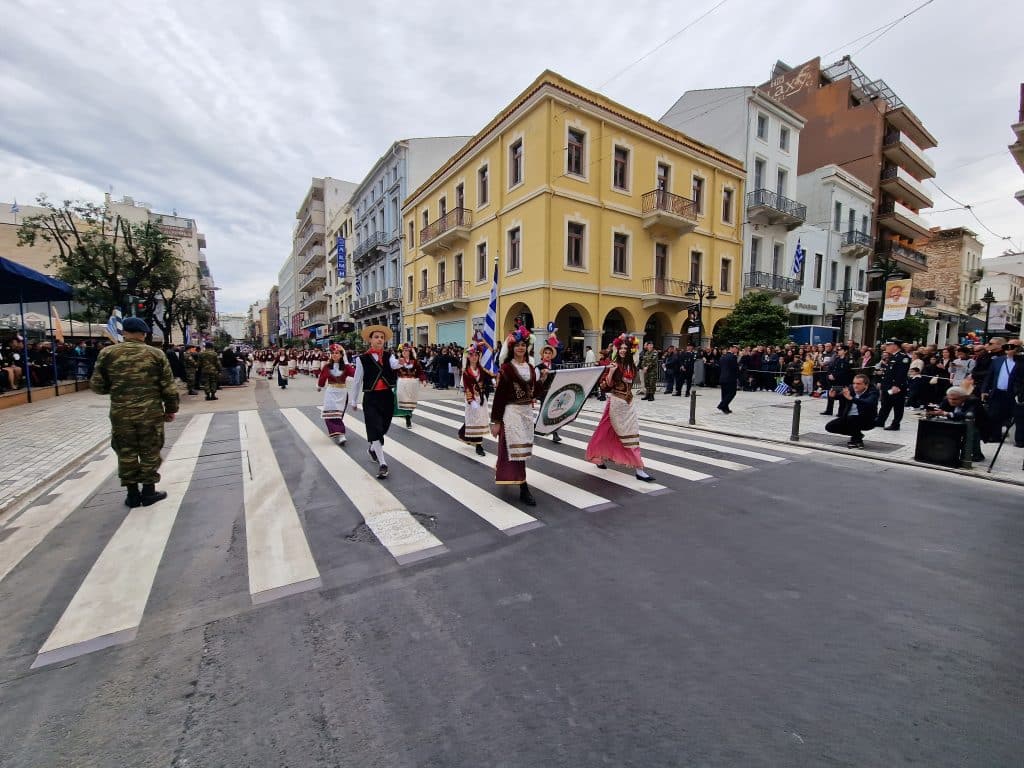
{"points": [[140, 308]]}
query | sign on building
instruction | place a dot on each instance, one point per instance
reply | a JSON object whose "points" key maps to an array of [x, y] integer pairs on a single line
{"points": [[897, 299], [341, 257]]}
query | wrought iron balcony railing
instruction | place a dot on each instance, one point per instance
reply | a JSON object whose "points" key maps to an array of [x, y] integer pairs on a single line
{"points": [[771, 282], [660, 200], [457, 217], [770, 199]]}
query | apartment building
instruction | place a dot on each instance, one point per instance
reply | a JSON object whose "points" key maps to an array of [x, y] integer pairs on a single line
{"points": [[584, 206], [340, 224], [949, 292]]}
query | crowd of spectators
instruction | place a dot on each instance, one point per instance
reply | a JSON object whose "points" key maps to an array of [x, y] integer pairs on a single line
{"points": [[41, 363]]}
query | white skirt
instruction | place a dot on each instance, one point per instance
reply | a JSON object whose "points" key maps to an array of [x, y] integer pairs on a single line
{"points": [[518, 424], [477, 420], [408, 393], [335, 399], [625, 421]]}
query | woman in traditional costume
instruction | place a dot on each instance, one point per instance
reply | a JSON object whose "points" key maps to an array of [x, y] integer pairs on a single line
{"points": [[474, 380], [374, 381], [548, 353], [512, 412], [407, 391], [282, 365], [617, 437], [332, 380]]}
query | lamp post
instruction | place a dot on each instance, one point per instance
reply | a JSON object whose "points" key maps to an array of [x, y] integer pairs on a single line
{"points": [[700, 291], [988, 298]]}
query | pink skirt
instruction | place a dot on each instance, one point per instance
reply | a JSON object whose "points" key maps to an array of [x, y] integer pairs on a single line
{"points": [[605, 445]]}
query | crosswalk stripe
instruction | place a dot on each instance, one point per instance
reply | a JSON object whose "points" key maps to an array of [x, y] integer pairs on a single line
{"points": [[570, 494], [495, 511], [390, 521], [108, 606], [648, 447], [35, 523], [662, 434], [280, 561], [584, 467]]}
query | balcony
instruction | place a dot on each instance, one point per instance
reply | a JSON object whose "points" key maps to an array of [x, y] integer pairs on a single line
{"points": [[315, 207], [448, 231], [1017, 148], [311, 302], [661, 290], [856, 244], [901, 185], [767, 207], [312, 233], [849, 299], [447, 297], [388, 298], [907, 259], [313, 280], [367, 249], [314, 319], [902, 119], [920, 297], [310, 259], [665, 213], [975, 275], [900, 219], [899, 149], [786, 288]]}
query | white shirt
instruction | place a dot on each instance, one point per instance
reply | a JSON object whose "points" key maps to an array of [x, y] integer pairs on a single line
{"points": [[1003, 379], [357, 380], [589, 358]]}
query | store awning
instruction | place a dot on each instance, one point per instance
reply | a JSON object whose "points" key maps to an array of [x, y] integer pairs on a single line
{"points": [[19, 283]]}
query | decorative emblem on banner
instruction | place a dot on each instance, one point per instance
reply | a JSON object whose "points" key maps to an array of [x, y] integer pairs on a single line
{"points": [[569, 398]]}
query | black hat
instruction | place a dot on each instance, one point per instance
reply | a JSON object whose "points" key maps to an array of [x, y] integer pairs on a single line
{"points": [[134, 325], [209, 345]]}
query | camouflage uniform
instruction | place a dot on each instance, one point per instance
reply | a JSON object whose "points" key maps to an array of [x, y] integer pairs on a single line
{"points": [[649, 365], [191, 366], [209, 368], [140, 383]]}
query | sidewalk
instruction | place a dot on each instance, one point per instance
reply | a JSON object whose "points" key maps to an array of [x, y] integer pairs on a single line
{"points": [[768, 416]]}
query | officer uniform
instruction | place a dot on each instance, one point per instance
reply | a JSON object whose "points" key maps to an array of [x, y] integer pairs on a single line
{"points": [[687, 362], [895, 375], [209, 369], [141, 386], [840, 374]]}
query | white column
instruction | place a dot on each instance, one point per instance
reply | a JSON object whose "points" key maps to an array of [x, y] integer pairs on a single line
{"points": [[932, 328], [592, 339]]}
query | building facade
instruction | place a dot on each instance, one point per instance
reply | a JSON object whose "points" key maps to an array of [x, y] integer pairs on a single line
{"points": [[837, 246], [863, 127], [584, 207], [744, 122], [310, 263], [273, 316], [948, 293], [377, 246], [339, 281], [289, 317], [1004, 276]]}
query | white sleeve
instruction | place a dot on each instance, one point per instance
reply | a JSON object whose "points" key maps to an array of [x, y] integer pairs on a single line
{"points": [[357, 382], [395, 365]]}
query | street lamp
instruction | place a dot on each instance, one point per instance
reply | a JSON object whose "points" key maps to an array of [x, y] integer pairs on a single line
{"points": [[700, 291], [988, 298]]}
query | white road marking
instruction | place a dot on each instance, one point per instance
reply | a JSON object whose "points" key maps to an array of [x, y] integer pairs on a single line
{"points": [[280, 561], [390, 521], [495, 511], [108, 606], [35, 523]]}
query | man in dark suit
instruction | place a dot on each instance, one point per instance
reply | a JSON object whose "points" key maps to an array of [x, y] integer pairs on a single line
{"points": [[957, 406], [839, 375], [728, 376], [894, 386], [858, 408], [1003, 391]]}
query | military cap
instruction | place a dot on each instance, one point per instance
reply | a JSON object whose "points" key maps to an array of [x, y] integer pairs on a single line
{"points": [[209, 345], [134, 325]]}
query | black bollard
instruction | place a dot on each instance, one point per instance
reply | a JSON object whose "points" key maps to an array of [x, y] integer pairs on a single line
{"points": [[968, 460], [693, 408], [795, 432]]}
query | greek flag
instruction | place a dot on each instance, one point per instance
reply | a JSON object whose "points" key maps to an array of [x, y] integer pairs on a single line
{"points": [[798, 258], [782, 389], [113, 328], [359, 285], [14, 207], [489, 359]]}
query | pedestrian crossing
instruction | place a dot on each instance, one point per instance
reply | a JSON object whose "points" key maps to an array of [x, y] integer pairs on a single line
{"points": [[440, 498]]}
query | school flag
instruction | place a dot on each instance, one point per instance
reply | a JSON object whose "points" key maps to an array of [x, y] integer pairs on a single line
{"points": [[566, 396]]}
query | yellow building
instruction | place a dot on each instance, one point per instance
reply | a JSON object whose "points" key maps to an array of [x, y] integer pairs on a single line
{"points": [[589, 210]]}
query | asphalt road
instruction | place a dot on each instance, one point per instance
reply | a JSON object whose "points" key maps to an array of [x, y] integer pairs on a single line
{"points": [[808, 610]]}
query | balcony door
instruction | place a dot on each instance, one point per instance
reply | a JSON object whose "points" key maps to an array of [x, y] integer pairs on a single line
{"points": [[660, 267]]}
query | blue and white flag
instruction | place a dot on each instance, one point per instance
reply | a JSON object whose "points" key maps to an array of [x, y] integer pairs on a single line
{"points": [[359, 285], [798, 258], [14, 206], [113, 329], [188, 334], [782, 389], [490, 359]]}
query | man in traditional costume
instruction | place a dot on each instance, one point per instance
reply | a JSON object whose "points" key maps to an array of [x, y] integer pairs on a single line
{"points": [[374, 381], [332, 378], [407, 391], [548, 353], [617, 437], [512, 411], [474, 380]]}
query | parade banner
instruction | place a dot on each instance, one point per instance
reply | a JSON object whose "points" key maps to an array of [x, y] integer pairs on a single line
{"points": [[566, 395], [897, 300]]}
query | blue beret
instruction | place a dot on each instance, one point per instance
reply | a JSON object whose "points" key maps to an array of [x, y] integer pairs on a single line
{"points": [[134, 325]]}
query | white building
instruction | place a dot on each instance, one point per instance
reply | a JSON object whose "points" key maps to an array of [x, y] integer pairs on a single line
{"points": [[837, 243], [338, 226], [745, 123], [235, 324], [286, 299], [1004, 275]]}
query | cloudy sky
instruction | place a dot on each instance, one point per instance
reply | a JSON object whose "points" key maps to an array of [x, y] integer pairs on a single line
{"points": [[224, 110]]}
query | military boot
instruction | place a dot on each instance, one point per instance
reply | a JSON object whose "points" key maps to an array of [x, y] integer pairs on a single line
{"points": [[150, 495], [134, 498]]}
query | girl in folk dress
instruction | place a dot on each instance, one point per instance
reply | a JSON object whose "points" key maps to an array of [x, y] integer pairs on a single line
{"points": [[283, 367], [317, 364], [617, 437], [407, 391], [473, 377], [293, 364], [333, 377], [512, 412]]}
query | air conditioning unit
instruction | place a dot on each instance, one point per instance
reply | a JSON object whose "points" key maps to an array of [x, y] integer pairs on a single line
{"points": [[929, 295]]}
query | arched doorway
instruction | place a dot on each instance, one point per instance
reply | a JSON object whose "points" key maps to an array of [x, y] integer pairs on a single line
{"points": [[657, 328], [519, 309], [613, 326], [570, 321]]}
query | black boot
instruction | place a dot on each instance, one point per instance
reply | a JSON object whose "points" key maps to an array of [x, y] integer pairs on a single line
{"points": [[526, 497], [150, 495], [480, 450], [207, 397], [214, 397], [555, 437], [133, 499], [408, 420]]}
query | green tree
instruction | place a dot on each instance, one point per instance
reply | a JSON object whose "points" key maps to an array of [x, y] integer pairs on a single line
{"points": [[109, 260], [909, 328], [755, 320], [222, 339]]}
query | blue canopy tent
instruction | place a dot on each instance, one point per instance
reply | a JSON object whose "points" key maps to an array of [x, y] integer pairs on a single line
{"points": [[19, 284]]}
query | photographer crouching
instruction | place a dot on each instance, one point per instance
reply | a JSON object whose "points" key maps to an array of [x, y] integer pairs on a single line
{"points": [[858, 408]]}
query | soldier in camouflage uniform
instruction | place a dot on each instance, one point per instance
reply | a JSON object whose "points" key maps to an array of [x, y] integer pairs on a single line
{"points": [[209, 369], [649, 368], [191, 367], [143, 396]]}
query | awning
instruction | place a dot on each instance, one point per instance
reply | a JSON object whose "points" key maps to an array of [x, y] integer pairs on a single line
{"points": [[19, 283]]}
